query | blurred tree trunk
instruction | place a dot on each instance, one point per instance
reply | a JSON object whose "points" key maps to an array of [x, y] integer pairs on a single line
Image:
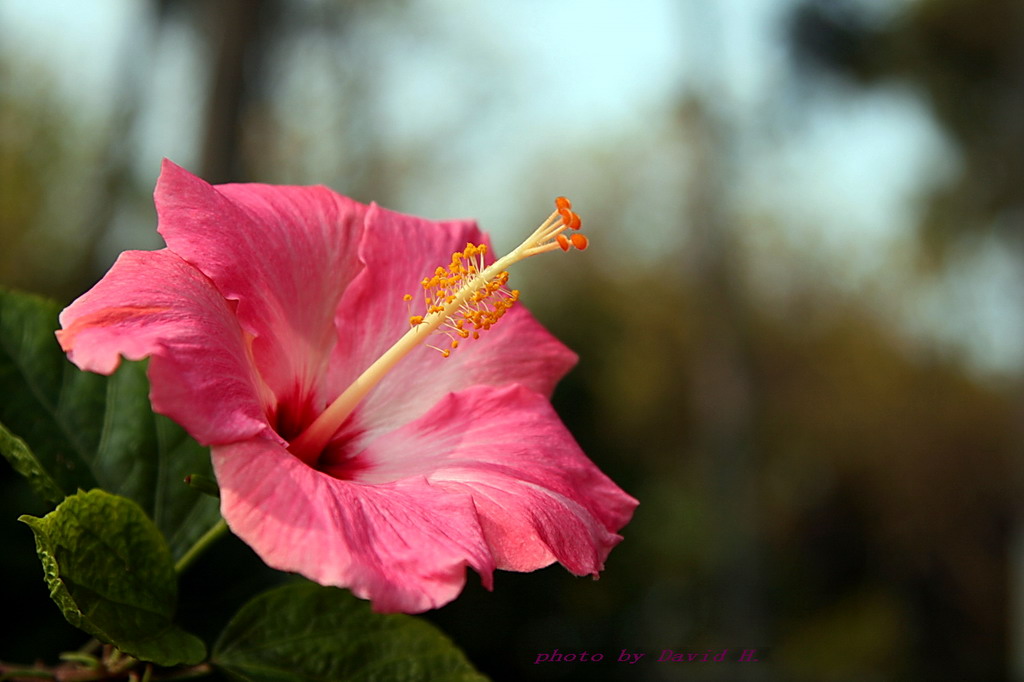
{"points": [[113, 181], [724, 389], [236, 31]]}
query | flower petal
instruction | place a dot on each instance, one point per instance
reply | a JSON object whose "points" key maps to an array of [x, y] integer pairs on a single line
{"points": [[538, 496], [286, 254], [399, 251], [404, 545], [153, 304]]}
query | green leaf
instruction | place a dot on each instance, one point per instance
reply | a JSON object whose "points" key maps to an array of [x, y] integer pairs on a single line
{"points": [[65, 429], [145, 457], [50, 405], [25, 463], [306, 632], [111, 573]]}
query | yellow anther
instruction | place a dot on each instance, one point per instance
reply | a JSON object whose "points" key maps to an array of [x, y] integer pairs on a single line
{"points": [[467, 291]]}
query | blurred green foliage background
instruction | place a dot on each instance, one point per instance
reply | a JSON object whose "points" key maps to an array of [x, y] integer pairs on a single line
{"points": [[799, 323]]}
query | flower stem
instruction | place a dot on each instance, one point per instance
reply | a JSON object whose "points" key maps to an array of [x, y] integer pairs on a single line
{"points": [[201, 544], [16, 672]]}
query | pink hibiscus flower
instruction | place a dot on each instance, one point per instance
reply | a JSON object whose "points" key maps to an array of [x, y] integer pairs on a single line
{"points": [[271, 321]]}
